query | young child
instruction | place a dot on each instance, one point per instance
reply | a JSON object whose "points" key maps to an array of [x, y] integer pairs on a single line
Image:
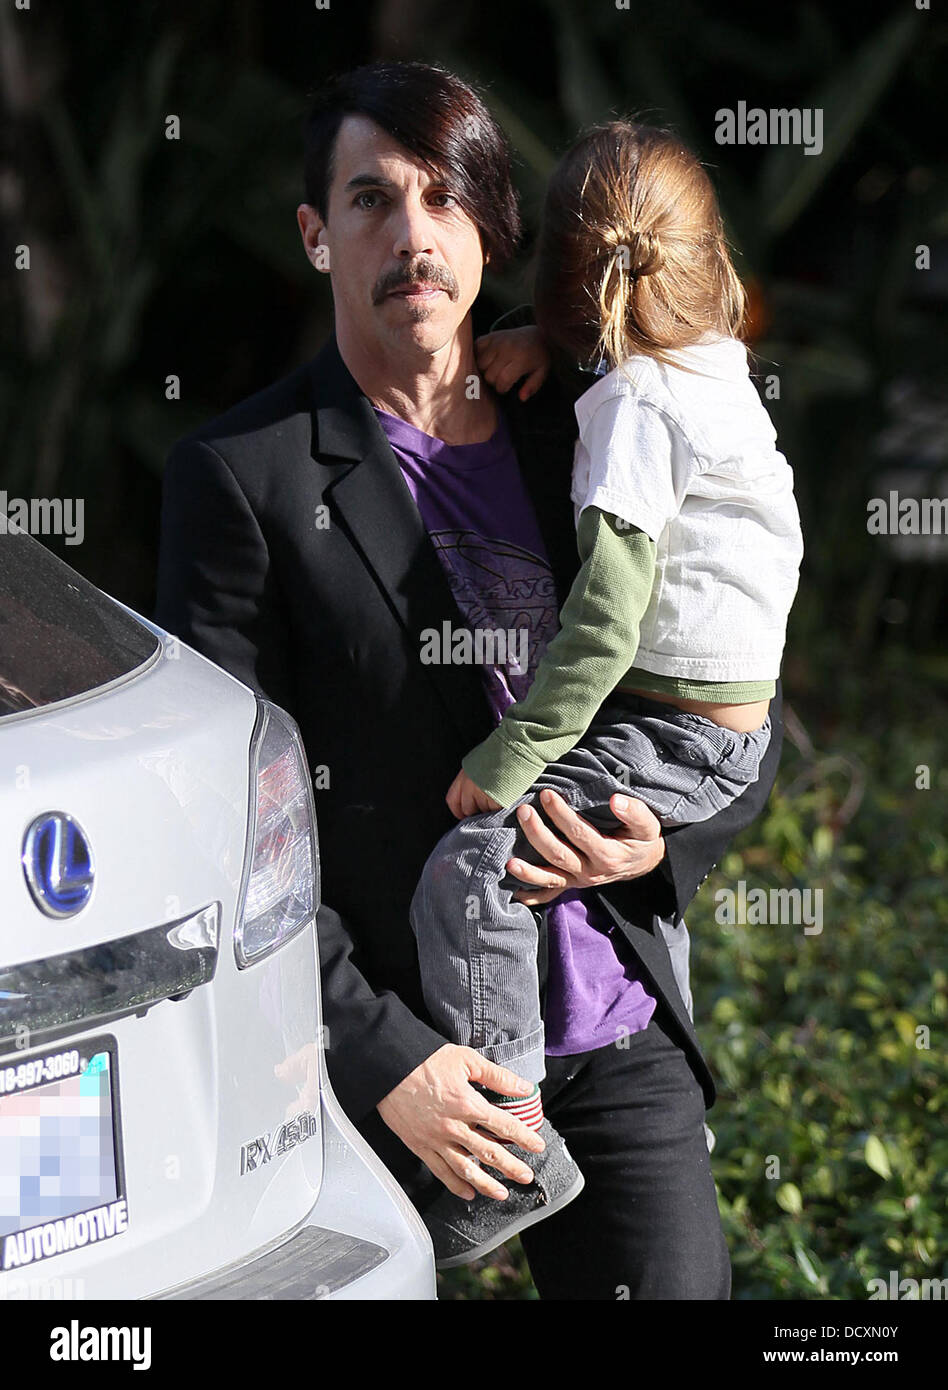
{"points": [[659, 680]]}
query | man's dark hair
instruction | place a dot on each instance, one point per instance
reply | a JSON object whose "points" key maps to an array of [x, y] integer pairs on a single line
{"points": [[437, 118]]}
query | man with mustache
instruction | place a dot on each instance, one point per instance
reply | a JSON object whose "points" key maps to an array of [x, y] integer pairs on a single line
{"points": [[413, 284], [445, 503]]}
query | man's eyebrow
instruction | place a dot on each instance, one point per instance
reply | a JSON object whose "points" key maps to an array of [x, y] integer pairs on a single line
{"points": [[368, 181], [379, 181]]}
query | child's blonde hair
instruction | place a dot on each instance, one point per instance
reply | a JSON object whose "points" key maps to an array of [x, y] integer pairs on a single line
{"points": [[632, 256]]}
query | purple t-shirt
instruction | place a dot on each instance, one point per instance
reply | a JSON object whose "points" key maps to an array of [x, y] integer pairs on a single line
{"points": [[478, 514]]}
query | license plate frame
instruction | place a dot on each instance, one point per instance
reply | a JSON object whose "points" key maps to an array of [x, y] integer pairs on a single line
{"points": [[61, 1075]]}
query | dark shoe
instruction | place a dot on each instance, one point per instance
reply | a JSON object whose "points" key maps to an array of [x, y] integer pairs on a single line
{"points": [[464, 1231]]}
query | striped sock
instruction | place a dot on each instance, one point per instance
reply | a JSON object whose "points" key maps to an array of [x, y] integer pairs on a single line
{"points": [[527, 1109]]}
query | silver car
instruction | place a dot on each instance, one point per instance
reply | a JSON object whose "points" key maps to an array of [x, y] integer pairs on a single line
{"points": [[167, 1129]]}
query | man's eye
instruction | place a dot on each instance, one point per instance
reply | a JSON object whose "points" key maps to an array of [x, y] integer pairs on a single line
{"points": [[445, 200], [367, 200]]}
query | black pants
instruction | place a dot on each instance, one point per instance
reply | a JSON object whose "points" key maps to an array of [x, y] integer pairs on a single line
{"points": [[646, 1225]]}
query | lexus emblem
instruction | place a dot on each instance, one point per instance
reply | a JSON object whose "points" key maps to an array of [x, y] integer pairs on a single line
{"points": [[57, 862]]}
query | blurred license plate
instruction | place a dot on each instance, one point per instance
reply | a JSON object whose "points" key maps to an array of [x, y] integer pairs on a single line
{"points": [[61, 1179]]}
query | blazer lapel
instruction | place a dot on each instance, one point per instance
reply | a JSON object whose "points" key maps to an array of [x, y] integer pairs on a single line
{"points": [[650, 947], [371, 500]]}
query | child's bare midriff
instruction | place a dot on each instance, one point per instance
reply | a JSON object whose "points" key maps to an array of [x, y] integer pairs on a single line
{"points": [[741, 718]]}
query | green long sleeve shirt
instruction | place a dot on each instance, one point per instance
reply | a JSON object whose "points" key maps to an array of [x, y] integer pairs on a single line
{"points": [[588, 658], [599, 634]]}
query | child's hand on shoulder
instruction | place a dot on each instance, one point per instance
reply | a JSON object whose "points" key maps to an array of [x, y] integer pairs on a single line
{"points": [[511, 353]]}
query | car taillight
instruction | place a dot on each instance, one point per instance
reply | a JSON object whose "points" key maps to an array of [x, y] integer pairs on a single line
{"points": [[281, 889]]}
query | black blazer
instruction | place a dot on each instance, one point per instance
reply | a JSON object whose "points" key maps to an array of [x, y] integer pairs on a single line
{"points": [[326, 621]]}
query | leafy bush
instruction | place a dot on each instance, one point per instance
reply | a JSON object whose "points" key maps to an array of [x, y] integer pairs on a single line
{"points": [[829, 1048]]}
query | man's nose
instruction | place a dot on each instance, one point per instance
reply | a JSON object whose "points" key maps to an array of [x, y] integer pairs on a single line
{"points": [[413, 236]]}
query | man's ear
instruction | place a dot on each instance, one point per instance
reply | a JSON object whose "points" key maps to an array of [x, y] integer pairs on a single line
{"points": [[315, 236]]}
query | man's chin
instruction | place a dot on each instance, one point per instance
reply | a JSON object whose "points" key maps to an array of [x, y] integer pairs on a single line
{"points": [[420, 312], [424, 329], [410, 309]]}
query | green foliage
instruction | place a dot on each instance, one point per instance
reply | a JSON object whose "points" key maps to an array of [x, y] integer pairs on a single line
{"points": [[831, 1159]]}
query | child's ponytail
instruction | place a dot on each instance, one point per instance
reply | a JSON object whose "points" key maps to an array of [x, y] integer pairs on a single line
{"points": [[632, 255], [635, 254]]}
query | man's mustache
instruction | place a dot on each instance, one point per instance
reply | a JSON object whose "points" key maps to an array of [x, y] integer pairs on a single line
{"points": [[418, 273]]}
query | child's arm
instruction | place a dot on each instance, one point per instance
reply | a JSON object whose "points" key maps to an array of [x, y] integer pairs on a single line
{"points": [[594, 648], [511, 353]]}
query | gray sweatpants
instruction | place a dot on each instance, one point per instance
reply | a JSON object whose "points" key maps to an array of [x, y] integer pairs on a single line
{"points": [[477, 946]]}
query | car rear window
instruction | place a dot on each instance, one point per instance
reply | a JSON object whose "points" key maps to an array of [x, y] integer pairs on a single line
{"points": [[60, 636]]}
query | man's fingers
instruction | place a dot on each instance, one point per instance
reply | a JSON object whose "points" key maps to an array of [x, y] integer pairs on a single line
{"points": [[499, 1079], [498, 1156], [538, 896], [538, 874], [471, 1173], [558, 856], [444, 1119], [505, 1126], [635, 816], [580, 833], [446, 1174]]}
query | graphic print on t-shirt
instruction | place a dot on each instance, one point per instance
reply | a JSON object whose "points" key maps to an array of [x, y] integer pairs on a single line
{"points": [[500, 586]]}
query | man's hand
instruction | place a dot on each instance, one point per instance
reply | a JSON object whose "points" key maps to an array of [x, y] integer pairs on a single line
{"points": [[584, 858], [439, 1116], [465, 798]]}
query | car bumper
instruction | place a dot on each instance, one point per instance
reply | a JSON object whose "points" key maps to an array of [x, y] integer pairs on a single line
{"points": [[362, 1240]]}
